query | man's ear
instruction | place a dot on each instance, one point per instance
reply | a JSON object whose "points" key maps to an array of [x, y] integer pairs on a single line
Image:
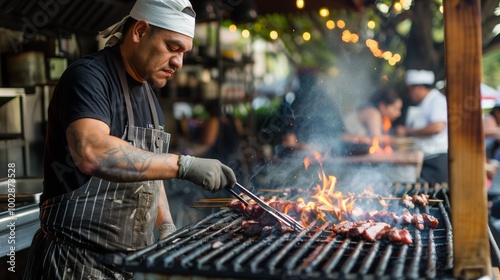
{"points": [[140, 27]]}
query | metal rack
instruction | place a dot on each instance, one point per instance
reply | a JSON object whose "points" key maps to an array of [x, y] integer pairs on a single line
{"points": [[15, 139]]}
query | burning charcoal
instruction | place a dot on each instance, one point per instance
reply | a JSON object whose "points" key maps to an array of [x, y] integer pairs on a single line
{"points": [[430, 221], [237, 206], [372, 232], [418, 220], [217, 244], [407, 201], [406, 218]]}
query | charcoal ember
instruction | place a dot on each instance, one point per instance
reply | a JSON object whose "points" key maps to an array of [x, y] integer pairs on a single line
{"points": [[418, 221], [430, 221], [406, 218], [237, 206], [371, 233]]}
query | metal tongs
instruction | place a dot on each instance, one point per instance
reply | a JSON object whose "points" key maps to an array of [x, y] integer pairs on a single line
{"points": [[285, 219]]}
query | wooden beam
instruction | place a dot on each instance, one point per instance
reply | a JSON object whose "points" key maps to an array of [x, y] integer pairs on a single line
{"points": [[468, 195]]}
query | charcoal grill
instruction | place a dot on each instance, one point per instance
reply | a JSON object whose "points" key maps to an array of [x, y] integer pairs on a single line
{"points": [[216, 247]]}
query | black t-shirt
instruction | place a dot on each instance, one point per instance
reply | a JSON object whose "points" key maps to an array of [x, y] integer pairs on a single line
{"points": [[89, 88]]}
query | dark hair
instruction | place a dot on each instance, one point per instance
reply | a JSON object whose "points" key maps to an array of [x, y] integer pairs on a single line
{"points": [[387, 96], [495, 108]]}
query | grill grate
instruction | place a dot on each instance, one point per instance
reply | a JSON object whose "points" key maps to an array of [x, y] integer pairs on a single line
{"points": [[314, 253]]}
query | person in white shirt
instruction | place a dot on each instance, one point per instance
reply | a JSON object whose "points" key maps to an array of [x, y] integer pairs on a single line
{"points": [[427, 122]]}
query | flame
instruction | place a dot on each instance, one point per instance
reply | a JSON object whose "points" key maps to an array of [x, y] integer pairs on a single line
{"points": [[328, 198], [386, 124], [375, 148]]}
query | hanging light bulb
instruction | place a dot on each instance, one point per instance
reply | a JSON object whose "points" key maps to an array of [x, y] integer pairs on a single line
{"points": [[330, 24], [300, 4], [273, 34], [306, 36], [324, 12]]}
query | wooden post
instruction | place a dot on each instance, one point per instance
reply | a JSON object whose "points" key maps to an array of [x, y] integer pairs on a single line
{"points": [[462, 19]]}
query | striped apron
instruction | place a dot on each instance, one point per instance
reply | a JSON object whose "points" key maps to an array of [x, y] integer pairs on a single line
{"points": [[78, 228]]}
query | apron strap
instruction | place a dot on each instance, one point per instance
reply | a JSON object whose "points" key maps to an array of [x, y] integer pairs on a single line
{"points": [[126, 93], [152, 106]]}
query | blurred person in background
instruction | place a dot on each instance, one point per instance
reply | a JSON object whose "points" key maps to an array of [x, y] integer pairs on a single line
{"points": [[427, 123], [491, 129], [377, 115]]}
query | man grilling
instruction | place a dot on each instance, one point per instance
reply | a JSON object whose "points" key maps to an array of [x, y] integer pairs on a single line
{"points": [[106, 151], [427, 122]]}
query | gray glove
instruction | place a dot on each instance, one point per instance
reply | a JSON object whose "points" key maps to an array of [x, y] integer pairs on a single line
{"points": [[210, 174]]}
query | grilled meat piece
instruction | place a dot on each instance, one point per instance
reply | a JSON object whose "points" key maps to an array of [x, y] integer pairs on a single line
{"points": [[395, 235], [343, 227], [430, 221], [386, 217], [420, 200], [406, 218], [237, 206], [418, 221], [360, 228], [251, 227], [407, 201], [372, 232]]}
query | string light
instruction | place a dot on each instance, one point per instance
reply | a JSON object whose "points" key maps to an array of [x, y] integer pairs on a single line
{"points": [[340, 23], [324, 12], [330, 24], [398, 7], [300, 4], [273, 35], [233, 28], [370, 24], [245, 33], [306, 36]]}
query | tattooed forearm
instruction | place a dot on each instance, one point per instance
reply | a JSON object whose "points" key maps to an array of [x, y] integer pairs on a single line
{"points": [[124, 163]]}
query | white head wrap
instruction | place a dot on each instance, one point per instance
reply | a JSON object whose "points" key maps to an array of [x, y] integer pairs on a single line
{"points": [[173, 15], [419, 77]]}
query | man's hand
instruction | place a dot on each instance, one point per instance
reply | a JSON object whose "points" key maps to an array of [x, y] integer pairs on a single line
{"points": [[210, 174]]}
